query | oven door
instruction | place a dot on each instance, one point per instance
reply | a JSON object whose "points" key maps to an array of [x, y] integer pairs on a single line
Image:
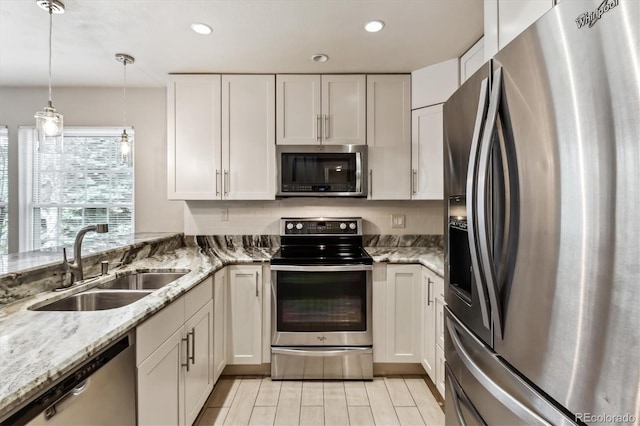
{"points": [[321, 305]]}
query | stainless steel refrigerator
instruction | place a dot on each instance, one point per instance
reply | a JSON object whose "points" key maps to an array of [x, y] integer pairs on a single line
{"points": [[542, 263]]}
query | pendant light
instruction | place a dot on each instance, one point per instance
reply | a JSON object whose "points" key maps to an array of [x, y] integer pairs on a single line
{"points": [[49, 123], [126, 144]]}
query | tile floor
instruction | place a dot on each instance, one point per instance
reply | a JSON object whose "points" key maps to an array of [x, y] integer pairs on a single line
{"points": [[260, 401]]}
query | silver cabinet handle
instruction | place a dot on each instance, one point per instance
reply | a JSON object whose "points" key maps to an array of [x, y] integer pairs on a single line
{"points": [[257, 292], [371, 182], [186, 339], [192, 333], [414, 181], [326, 127], [226, 182], [429, 284], [218, 182], [318, 125]]}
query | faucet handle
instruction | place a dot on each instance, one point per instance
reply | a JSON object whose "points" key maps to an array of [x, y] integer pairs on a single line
{"points": [[64, 255]]}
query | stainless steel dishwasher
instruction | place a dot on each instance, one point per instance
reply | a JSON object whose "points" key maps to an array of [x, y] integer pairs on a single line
{"points": [[100, 392]]}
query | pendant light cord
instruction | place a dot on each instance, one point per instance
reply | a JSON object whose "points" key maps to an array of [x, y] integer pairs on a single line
{"points": [[50, 34], [124, 96]]}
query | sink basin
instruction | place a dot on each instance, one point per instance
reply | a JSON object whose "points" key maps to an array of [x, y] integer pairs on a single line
{"points": [[95, 300], [142, 281]]}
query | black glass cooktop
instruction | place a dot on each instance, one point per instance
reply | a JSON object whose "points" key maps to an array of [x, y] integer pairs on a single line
{"points": [[321, 255]]}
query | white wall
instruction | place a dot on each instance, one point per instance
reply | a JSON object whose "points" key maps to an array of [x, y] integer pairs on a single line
{"points": [[146, 113], [261, 217]]}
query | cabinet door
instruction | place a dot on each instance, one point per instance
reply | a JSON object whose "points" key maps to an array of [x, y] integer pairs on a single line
{"points": [[161, 383], [298, 110], [404, 317], [426, 153], [193, 138], [440, 372], [245, 343], [344, 109], [248, 137], [389, 136], [219, 323], [472, 60], [428, 324], [379, 308], [198, 382], [440, 322]]}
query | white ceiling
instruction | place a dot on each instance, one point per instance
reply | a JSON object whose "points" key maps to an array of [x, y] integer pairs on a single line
{"points": [[249, 36]]}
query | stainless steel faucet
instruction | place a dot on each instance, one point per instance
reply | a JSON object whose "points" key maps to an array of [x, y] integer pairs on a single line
{"points": [[75, 267]]}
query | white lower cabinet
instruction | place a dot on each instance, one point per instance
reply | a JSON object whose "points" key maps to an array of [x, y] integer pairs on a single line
{"points": [[245, 314], [219, 323], [403, 314], [433, 327], [428, 323], [174, 359]]}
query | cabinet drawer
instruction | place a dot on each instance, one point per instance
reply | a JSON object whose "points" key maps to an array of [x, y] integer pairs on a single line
{"points": [[197, 297], [440, 370], [439, 288], [153, 332], [440, 322]]}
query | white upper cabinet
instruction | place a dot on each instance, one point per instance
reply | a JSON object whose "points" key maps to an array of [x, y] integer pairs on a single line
{"points": [[327, 109], [193, 138], [504, 20], [248, 132], [389, 136], [221, 137], [434, 84], [472, 60], [427, 153], [299, 120]]}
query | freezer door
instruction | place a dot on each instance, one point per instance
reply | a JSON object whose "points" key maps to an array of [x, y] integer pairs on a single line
{"points": [[482, 389], [568, 299]]}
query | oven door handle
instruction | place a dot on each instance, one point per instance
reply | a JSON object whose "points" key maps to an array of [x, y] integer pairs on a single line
{"points": [[312, 352], [321, 268]]}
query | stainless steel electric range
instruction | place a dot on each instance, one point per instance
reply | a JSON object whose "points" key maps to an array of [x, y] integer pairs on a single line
{"points": [[321, 301]]}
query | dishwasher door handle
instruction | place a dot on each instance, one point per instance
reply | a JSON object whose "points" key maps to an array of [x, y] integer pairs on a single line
{"points": [[66, 400]]}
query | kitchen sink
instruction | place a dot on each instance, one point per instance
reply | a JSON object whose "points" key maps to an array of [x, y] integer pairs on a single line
{"points": [[95, 300], [142, 280]]}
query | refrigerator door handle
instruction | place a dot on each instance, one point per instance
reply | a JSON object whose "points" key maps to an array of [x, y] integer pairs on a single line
{"points": [[471, 200], [458, 397], [484, 163], [518, 408]]}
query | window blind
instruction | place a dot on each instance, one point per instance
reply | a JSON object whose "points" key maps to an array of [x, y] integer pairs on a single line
{"points": [[4, 189], [82, 181]]}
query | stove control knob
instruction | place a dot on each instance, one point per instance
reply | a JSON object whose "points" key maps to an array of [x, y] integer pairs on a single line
{"points": [[299, 226], [352, 225], [343, 226], [289, 225]]}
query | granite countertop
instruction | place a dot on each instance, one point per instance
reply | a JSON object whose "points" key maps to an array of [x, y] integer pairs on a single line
{"points": [[37, 348]]}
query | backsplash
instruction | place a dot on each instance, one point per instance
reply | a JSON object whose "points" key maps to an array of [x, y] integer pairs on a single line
{"points": [[263, 217]]}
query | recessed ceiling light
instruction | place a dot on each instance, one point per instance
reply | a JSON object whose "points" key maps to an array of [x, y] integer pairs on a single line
{"points": [[200, 28], [374, 26], [319, 57]]}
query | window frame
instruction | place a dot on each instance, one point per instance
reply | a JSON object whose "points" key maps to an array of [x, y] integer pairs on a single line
{"points": [[26, 178]]}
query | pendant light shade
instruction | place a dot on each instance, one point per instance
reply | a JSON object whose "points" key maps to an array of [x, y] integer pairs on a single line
{"points": [[126, 143], [49, 122]]}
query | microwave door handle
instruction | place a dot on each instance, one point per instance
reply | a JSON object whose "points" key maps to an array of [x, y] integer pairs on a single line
{"points": [[471, 200], [484, 236]]}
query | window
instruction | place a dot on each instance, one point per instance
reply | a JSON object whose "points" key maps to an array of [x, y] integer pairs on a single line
{"points": [[83, 181], [4, 190]]}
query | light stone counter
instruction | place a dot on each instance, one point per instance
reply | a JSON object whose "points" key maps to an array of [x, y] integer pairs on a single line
{"points": [[38, 348]]}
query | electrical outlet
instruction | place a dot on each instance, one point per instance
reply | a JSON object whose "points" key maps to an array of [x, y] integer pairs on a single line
{"points": [[224, 215], [397, 221]]}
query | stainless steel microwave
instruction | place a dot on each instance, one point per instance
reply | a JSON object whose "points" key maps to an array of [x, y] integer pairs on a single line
{"points": [[321, 170]]}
